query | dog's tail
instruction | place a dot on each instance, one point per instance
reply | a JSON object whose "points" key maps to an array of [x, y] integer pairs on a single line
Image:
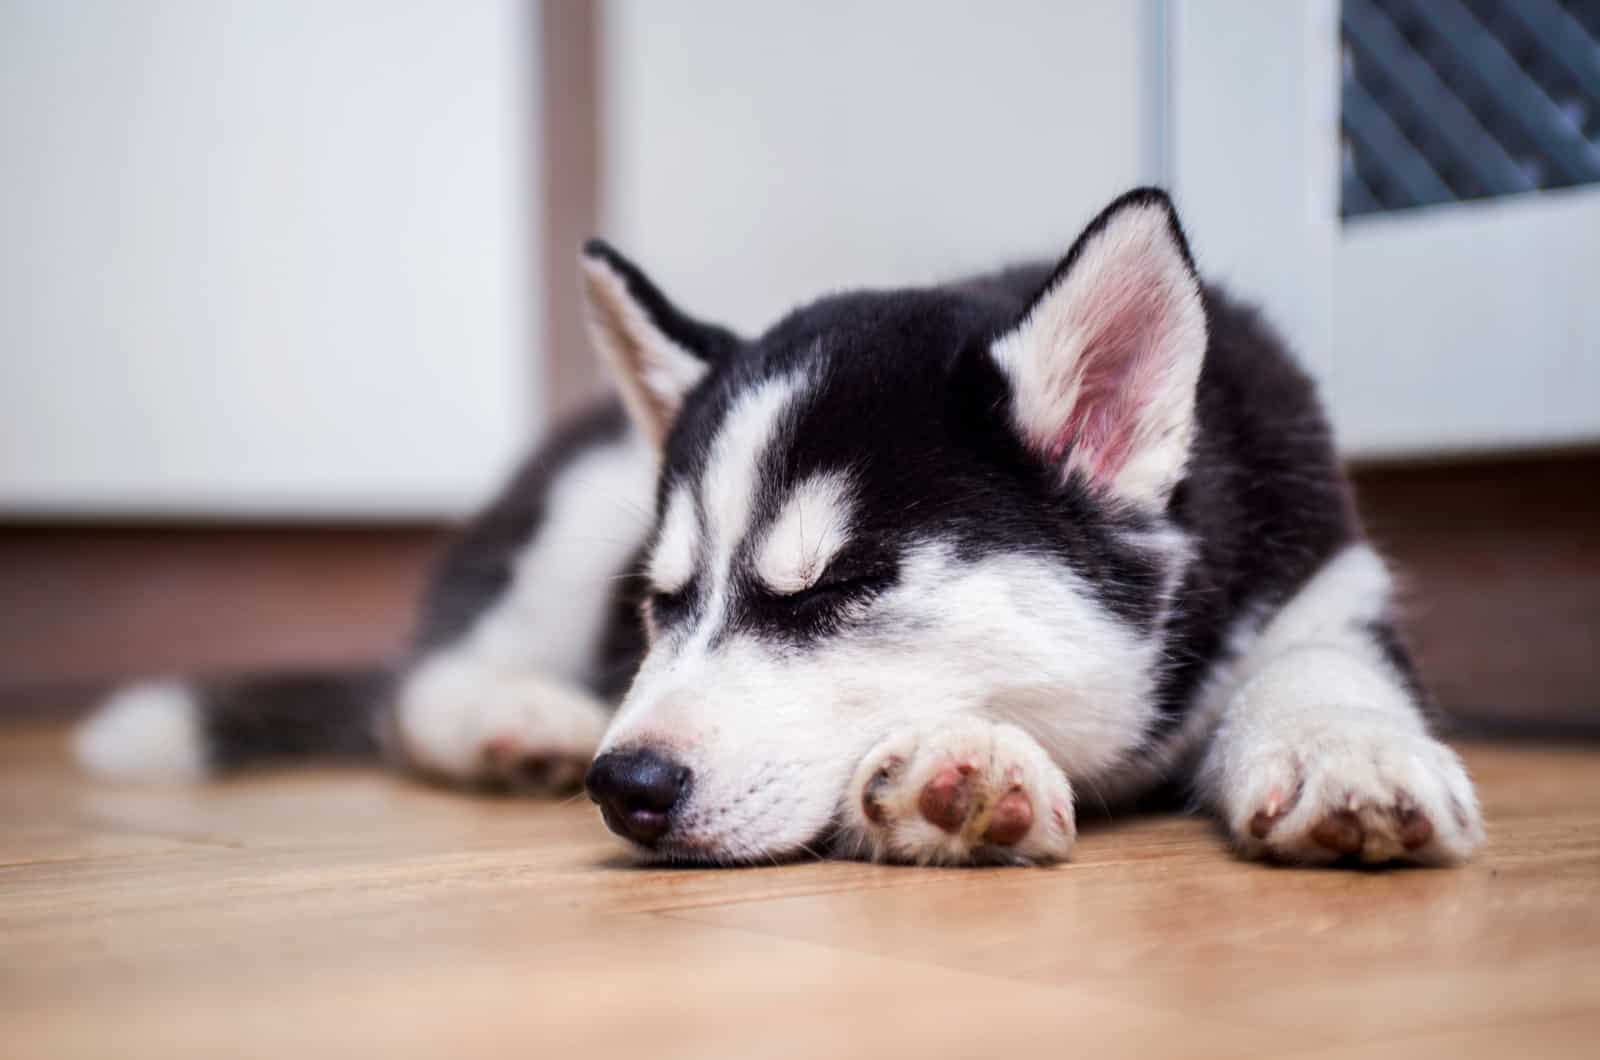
{"points": [[207, 727]]}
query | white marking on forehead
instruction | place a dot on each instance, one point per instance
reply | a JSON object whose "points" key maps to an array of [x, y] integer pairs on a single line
{"points": [[672, 560], [729, 489], [728, 492], [810, 530]]}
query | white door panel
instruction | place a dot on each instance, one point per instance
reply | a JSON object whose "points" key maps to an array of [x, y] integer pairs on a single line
{"points": [[1432, 330], [263, 258], [1470, 326]]}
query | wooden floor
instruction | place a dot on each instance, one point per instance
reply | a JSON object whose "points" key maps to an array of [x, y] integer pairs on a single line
{"points": [[351, 914]]}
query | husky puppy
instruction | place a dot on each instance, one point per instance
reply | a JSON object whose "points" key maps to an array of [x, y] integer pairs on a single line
{"points": [[907, 577]]}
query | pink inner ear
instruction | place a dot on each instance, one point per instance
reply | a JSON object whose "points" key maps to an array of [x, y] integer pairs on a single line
{"points": [[1124, 329]]}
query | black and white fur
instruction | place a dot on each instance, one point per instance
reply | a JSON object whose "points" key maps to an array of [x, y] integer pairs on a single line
{"points": [[919, 571]]}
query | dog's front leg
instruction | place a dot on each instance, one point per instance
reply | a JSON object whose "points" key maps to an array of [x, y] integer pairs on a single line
{"points": [[958, 791], [465, 722], [1322, 751]]}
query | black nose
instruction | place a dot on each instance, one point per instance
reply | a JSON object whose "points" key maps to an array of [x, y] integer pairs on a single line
{"points": [[636, 791]]}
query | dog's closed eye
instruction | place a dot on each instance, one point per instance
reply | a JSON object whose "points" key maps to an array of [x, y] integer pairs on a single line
{"points": [[664, 605], [843, 580]]}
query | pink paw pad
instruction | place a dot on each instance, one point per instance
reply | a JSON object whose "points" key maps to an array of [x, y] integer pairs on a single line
{"points": [[1343, 832], [509, 763], [946, 800], [1010, 820], [954, 798], [1277, 804]]}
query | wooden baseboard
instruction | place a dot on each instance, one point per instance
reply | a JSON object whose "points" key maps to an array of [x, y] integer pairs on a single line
{"points": [[85, 606], [1500, 569], [1499, 560]]}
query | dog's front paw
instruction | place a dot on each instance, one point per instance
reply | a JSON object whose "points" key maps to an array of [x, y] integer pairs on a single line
{"points": [[528, 735], [1367, 790], [535, 738], [514, 763], [966, 791]]}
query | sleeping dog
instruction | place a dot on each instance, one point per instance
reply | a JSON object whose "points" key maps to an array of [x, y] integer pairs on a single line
{"points": [[907, 577]]}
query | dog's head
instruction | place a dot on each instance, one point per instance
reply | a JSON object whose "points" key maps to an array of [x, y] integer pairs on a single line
{"points": [[894, 506]]}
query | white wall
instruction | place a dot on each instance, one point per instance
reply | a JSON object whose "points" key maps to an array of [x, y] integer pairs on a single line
{"points": [[1254, 166], [759, 154], [264, 257]]}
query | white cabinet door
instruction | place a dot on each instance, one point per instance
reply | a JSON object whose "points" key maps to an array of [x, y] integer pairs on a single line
{"points": [[1437, 325], [264, 258], [1470, 326]]}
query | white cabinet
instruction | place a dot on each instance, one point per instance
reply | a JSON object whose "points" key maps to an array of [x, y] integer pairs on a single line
{"points": [[285, 259], [264, 258], [1435, 330], [1470, 326]]}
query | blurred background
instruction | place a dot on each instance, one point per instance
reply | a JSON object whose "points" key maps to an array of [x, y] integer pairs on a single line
{"points": [[285, 288]]}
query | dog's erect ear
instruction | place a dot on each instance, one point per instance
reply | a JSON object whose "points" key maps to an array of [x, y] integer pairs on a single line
{"points": [[1103, 365], [655, 353]]}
